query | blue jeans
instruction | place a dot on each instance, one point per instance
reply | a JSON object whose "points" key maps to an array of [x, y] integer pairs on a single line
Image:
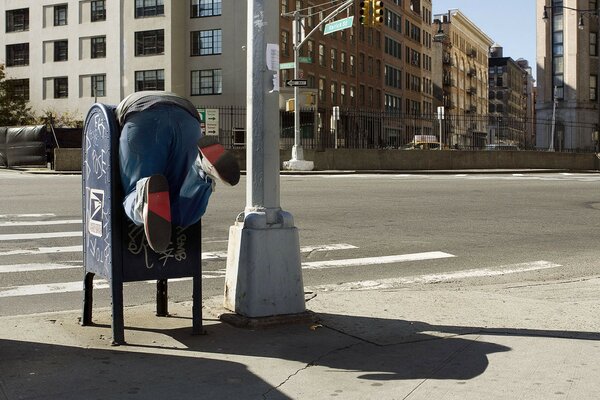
{"points": [[163, 140]]}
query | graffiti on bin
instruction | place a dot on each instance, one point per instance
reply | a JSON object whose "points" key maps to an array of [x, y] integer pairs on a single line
{"points": [[137, 244], [94, 135]]}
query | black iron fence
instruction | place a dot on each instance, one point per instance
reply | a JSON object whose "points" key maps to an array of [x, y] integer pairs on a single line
{"points": [[367, 129]]}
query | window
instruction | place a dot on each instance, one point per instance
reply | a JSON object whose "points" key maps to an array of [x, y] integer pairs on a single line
{"points": [[392, 77], [343, 99], [557, 50], [17, 20], [593, 87], [18, 88], [333, 59], [98, 88], [333, 90], [352, 65], [98, 10], [322, 92], [285, 43], [60, 15], [205, 8], [322, 55], [207, 82], [98, 47], [61, 50], [150, 80], [343, 67], [593, 43], [17, 54], [206, 43], [149, 8], [150, 42], [61, 88]]}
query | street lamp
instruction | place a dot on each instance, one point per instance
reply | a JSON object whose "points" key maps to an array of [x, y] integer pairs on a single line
{"points": [[580, 24]]}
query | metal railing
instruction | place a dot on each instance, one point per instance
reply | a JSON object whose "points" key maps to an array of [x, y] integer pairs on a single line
{"points": [[368, 129]]}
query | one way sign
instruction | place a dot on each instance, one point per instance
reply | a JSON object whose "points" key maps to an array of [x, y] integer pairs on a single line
{"points": [[296, 82]]}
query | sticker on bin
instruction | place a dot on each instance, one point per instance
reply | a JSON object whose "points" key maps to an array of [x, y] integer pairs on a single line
{"points": [[95, 212]]}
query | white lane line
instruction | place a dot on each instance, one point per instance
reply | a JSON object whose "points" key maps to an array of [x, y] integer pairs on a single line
{"points": [[28, 236], [44, 250], [36, 223], [34, 267], [215, 255], [436, 278], [432, 255], [26, 215], [66, 287]]}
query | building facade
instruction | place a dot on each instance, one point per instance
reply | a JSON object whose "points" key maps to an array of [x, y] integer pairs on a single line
{"points": [[567, 74], [65, 56], [464, 59], [507, 100]]}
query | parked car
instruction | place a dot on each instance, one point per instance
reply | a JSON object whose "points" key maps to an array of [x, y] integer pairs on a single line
{"points": [[421, 146], [500, 146]]}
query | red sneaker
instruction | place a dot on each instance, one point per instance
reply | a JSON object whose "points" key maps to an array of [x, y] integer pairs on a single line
{"points": [[157, 213], [217, 162]]}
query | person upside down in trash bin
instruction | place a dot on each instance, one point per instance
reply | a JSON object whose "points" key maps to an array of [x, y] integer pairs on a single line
{"points": [[168, 166]]}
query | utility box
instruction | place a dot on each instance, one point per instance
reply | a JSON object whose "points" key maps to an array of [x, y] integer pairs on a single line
{"points": [[113, 246]]}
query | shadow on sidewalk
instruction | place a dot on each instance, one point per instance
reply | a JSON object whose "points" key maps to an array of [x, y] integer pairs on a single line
{"points": [[43, 371]]}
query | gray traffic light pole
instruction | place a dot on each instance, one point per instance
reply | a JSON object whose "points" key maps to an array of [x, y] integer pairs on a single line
{"points": [[264, 275], [298, 163]]}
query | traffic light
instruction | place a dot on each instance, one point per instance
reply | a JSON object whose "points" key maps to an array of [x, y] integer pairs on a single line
{"points": [[377, 13], [365, 12]]}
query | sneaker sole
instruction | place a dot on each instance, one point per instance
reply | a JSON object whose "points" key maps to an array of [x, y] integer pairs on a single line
{"points": [[157, 213], [224, 163]]}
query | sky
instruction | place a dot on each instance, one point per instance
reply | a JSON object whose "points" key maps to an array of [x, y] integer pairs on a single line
{"points": [[510, 23]]}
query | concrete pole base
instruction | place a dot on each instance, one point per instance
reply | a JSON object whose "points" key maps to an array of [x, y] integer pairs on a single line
{"points": [[298, 165], [264, 274]]}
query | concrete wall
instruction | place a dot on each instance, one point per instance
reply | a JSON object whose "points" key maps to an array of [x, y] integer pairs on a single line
{"points": [[364, 160], [67, 159], [398, 160]]}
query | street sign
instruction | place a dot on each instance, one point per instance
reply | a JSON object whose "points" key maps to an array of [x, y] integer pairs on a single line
{"points": [[209, 120], [288, 65], [307, 60], [296, 82], [338, 25]]}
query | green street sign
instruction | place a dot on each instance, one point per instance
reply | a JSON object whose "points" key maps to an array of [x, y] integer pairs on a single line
{"points": [[338, 25], [288, 65], [307, 60]]}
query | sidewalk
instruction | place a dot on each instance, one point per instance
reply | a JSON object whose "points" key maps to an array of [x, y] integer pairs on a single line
{"points": [[433, 341], [47, 171]]}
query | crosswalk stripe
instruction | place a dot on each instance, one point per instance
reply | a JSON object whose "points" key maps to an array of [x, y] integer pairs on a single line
{"points": [[432, 255], [39, 223], [48, 235], [214, 255], [27, 215], [391, 283], [44, 250], [38, 289]]}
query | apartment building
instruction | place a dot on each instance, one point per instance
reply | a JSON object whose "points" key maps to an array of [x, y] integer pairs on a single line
{"points": [[65, 55], [464, 54], [567, 74], [508, 85]]}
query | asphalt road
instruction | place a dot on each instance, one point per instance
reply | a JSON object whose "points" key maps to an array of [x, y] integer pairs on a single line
{"points": [[478, 222]]}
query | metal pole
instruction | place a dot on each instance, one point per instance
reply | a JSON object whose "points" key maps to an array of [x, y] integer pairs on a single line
{"points": [[297, 152], [263, 275], [598, 77], [551, 147]]}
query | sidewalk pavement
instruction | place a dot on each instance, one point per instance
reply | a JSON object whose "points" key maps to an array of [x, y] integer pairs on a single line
{"points": [[427, 341], [47, 171]]}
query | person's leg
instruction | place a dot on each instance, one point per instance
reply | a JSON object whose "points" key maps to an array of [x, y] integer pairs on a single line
{"points": [[143, 152], [190, 188]]}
